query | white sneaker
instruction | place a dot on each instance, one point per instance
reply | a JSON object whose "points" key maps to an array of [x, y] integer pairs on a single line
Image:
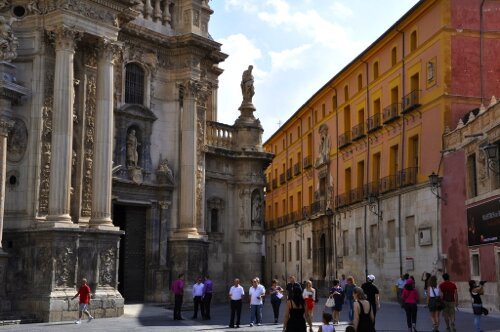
{"points": [[90, 319], [251, 324], [78, 322], [259, 324]]}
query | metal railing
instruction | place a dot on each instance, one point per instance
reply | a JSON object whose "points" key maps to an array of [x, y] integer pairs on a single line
{"points": [[411, 101], [374, 122], [391, 113], [358, 131], [344, 139]]}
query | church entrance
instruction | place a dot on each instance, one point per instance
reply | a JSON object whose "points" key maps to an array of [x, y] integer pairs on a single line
{"points": [[131, 272]]}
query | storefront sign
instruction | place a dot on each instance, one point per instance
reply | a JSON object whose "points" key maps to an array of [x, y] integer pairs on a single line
{"points": [[483, 223]]}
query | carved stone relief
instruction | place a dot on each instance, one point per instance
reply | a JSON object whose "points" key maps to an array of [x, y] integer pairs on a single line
{"points": [[164, 173], [256, 208], [43, 201], [17, 141], [65, 260], [107, 267], [89, 144]]}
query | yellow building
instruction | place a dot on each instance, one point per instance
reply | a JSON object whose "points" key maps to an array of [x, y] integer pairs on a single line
{"points": [[348, 191]]}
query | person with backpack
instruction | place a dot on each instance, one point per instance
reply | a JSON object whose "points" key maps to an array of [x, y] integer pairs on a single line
{"points": [[338, 295], [363, 314], [449, 293]]}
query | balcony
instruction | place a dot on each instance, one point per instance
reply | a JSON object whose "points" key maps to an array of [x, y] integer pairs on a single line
{"points": [[345, 139], [358, 131], [219, 135], [358, 194], [282, 178], [391, 113], [373, 187], [411, 101], [388, 183], [307, 162], [408, 176], [296, 169], [275, 183], [289, 174], [374, 122], [306, 212], [343, 200], [318, 206]]}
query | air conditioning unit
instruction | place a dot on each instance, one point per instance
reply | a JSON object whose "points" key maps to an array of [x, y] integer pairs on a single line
{"points": [[425, 236]]}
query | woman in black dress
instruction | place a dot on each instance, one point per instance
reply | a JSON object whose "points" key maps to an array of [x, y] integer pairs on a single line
{"points": [[294, 320]]}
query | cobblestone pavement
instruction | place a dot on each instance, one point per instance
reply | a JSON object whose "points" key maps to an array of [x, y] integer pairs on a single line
{"points": [[156, 318]]}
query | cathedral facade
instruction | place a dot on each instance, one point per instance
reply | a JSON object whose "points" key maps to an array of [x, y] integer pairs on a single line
{"points": [[115, 167]]}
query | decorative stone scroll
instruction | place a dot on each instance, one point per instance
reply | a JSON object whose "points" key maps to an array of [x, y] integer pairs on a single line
{"points": [[47, 110], [64, 37], [8, 42], [17, 141], [89, 146], [107, 270]]}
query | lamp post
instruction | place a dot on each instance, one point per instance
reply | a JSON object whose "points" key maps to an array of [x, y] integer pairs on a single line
{"points": [[491, 152]]}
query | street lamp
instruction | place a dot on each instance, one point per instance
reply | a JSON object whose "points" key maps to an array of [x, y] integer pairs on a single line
{"points": [[491, 152], [374, 205], [435, 182]]}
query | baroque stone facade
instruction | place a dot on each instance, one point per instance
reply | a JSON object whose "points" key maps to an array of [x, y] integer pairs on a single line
{"points": [[117, 169]]}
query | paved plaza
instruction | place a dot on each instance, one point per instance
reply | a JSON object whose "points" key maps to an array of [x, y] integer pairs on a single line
{"points": [[156, 318]]}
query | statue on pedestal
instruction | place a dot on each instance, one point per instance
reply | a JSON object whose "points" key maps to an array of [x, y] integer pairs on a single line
{"points": [[247, 88]]}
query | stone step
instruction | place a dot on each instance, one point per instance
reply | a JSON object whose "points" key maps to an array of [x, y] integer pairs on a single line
{"points": [[13, 318]]}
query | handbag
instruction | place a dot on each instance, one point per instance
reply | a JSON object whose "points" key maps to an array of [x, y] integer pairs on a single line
{"points": [[279, 295], [435, 303], [330, 302]]}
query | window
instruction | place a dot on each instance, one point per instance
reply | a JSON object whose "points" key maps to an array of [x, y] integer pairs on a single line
{"points": [[410, 232], [359, 241], [214, 220], [394, 55], [373, 238], [275, 253], [323, 111], [376, 106], [347, 180], [361, 174], [376, 170], [315, 116], [345, 243], [415, 82], [309, 248], [471, 175], [297, 250], [413, 152], [289, 251], [474, 264], [334, 102], [395, 95], [347, 119], [298, 132], [346, 93], [391, 234], [134, 84], [413, 41], [360, 82], [283, 252], [393, 160], [375, 70]]}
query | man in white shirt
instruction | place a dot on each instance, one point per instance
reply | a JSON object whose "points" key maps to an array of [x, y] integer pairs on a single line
{"points": [[236, 293], [256, 293], [197, 297]]}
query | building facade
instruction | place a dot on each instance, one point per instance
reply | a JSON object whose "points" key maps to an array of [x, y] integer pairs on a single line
{"points": [[349, 185], [116, 168]]}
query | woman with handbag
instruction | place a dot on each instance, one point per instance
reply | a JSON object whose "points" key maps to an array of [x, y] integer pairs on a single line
{"points": [[476, 290], [276, 295], [434, 302], [337, 293], [309, 295]]}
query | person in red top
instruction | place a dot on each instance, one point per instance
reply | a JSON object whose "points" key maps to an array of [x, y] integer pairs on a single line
{"points": [[178, 291], [449, 293], [84, 293], [409, 295]]}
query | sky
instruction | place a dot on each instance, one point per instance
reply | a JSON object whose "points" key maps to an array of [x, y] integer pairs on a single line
{"points": [[295, 46]]}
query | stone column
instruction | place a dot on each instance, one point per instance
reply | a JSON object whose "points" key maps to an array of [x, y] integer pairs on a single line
{"points": [[62, 134], [103, 144], [5, 126]]}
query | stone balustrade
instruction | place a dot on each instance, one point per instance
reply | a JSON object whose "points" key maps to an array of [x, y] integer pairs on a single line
{"points": [[156, 10], [219, 135]]}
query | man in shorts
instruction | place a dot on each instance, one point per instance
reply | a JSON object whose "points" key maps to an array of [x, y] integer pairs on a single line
{"points": [[84, 293], [449, 293]]}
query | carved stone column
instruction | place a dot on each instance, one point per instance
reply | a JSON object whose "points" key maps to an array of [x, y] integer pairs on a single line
{"points": [[62, 135], [5, 126], [103, 145]]}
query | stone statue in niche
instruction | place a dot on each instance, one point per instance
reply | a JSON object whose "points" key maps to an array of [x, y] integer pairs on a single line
{"points": [[132, 154], [247, 88], [324, 145], [256, 208], [164, 173]]}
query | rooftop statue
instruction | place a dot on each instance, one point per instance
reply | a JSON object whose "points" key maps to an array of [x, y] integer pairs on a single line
{"points": [[247, 88]]}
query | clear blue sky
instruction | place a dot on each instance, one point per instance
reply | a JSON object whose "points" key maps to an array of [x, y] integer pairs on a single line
{"points": [[295, 46]]}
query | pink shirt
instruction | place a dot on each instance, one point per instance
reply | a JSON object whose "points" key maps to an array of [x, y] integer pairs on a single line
{"points": [[178, 287], [410, 297]]}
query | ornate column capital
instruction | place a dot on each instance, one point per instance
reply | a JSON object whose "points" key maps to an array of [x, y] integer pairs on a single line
{"points": [[5, 126], [109, 50], [64, 37]]}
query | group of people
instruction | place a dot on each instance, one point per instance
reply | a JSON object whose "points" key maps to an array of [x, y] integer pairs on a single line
{"points": [[439, 298], [202, 297]]}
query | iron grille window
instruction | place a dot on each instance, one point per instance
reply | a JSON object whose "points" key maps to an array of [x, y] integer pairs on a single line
{"points": [[134, 84]]}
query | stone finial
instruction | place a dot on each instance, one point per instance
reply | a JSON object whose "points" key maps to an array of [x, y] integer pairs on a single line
{"points": [[460, 124], [8, 42], [471, 118], [482, 109], [493, 101]]}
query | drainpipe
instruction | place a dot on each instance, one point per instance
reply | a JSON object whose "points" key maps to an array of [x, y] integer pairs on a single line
{"points": [[367, 165], [481, 78]]}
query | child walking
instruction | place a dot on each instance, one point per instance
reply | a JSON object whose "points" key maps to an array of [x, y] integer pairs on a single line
{"points": [[326, 327], [84, 293]]}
